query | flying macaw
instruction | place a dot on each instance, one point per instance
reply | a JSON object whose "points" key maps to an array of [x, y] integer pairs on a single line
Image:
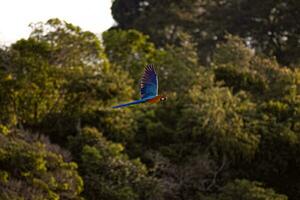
{"points": [[149, 88]]}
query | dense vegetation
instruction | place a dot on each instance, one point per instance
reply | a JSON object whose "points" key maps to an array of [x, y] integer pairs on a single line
{"points": [[230, 129]]}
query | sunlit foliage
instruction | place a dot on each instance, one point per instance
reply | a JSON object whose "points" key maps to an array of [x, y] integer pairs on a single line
{"points": [[229, 130]]}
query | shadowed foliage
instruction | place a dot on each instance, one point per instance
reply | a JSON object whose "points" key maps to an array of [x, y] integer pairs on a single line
{"points": [[229, 130]]}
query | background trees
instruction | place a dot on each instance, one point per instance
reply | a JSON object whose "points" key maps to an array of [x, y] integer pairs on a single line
{"points": [[270, 27], [33, 168], [229, 130]]}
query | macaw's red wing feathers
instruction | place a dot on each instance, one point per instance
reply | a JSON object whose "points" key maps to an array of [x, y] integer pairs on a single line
{"points": [[149, 83]]}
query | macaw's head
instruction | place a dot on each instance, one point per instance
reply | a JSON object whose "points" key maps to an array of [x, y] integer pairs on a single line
{"points": [[163, 98]]}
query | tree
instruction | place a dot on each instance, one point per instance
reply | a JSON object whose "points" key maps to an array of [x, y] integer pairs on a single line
{"points": [[242, 69], [33, 168], [150, 17], [217, 120], [132, 51], [271, 28], [108, 172], [27, 89], [246, 190], [59, 80], [229, 130], [185, 180]]}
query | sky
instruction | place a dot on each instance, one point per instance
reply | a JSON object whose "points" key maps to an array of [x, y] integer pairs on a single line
{"points": [[16, 15]]}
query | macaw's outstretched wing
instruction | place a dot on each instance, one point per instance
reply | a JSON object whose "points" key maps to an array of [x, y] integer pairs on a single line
{"points": [[149, 83], [131, 103]]}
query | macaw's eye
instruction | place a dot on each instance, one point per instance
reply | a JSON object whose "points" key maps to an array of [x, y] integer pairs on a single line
{"points": [[163, 98]]}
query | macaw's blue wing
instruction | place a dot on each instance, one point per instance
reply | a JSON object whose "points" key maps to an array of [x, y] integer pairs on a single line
{"points": [[149, 83], [131, 103]]}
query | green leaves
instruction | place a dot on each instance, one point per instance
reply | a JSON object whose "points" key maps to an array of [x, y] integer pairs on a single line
{"points": [[246, 190], [216, 116], [232, 120], [31, 164], [270, 29], [107, 171]]}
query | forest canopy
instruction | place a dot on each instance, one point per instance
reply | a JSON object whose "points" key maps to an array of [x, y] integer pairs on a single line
{"points": [[229, 130]]}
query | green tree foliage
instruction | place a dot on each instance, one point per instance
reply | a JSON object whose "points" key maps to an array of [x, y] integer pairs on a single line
{"points": [[274, 89], [241, 69], [131, 51], [33, 168], [90, 83], [59, 79], [229, 130], [246, 190], [270, 27], [31, 92], [108, 172], [151, 17], [220, 112], [155, 127], [217, 119]]}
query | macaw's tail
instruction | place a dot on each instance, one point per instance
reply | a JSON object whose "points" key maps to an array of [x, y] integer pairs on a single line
{"points": [[131, 103]]}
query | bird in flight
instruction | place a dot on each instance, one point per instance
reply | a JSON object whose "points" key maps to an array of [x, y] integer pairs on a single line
{"points": [[149, 88]]}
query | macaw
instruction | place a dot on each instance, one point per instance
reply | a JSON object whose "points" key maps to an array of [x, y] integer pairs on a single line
{"points": [[149, 88]]}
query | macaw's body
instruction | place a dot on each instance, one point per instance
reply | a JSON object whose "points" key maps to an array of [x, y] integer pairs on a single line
{"points": [[149, 89], [156, 99]]}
